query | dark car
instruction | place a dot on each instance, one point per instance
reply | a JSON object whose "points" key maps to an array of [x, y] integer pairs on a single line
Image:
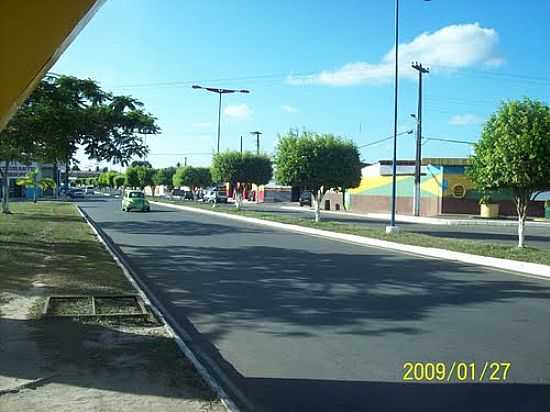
{"points": [[188, 195], [75, 193], [305, 199]]}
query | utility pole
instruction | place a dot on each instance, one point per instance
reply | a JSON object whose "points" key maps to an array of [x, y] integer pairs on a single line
{"points": [[185, 161], [241, 144], [257, 133], [220, 92], [418, 164]]}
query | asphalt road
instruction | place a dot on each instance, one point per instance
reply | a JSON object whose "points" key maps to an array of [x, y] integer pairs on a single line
{"points": [[301, 323], [536, 236]]}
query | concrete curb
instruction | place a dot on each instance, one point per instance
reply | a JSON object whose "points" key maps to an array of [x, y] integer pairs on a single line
{"points": [[497, 263], [180, 336], [424, 220]]}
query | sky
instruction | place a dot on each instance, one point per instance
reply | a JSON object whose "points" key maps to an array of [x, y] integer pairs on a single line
{"points": [[314, 64]]}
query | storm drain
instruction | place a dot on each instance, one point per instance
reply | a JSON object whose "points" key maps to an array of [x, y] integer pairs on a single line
{"points": [[95, 306]]}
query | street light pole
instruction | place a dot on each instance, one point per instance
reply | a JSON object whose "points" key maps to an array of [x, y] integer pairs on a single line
{"points": [[257, 133], [392, 227], [219, 122], [220, 92]]}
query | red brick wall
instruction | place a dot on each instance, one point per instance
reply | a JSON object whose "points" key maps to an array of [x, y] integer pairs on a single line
{"points": [[471, 206]]}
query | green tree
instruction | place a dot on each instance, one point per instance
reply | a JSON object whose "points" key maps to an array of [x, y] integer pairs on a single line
{"points": [[514, 153], [145, 176], [241, 169], [16, 144], [161, 177], [193, 177], [140, 163], [318, 163], [69, 113], [132, 177], [169, 173], [119, 181], [33, 179]]}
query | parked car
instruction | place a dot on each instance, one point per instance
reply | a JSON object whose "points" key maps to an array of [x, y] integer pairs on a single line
{"points": [[305, 199], [176, 194], [215, 196], [135, 200], [75, 193]]}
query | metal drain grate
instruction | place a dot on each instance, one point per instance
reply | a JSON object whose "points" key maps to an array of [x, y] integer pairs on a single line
{"points": [[96, 306]]}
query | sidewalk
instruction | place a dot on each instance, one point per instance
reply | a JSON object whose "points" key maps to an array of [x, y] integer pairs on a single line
{"points": [[442, 220]]}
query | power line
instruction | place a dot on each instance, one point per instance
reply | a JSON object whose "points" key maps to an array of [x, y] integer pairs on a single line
{"points": [[440, 139], [385, 139]]}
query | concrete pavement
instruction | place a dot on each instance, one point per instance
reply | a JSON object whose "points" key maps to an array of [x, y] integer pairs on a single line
{"points": [[301, 323]]}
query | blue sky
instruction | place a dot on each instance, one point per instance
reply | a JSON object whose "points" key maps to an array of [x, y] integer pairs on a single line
{"points": [[325, 66]]}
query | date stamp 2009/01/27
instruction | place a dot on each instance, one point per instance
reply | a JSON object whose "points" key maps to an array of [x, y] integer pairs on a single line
{"points": [[457, 371]]}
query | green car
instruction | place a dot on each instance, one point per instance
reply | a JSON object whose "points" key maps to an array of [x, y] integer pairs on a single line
{"points": [[135, 200]]}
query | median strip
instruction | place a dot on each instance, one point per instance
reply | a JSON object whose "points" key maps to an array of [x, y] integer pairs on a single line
{"points": [[531, 268]]}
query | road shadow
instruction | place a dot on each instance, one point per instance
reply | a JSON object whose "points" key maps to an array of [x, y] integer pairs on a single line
{"points": [[181, 227], [303, 288]]}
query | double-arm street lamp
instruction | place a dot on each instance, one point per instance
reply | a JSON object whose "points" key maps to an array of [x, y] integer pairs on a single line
{"points": [[392, 227], [220, 92]]}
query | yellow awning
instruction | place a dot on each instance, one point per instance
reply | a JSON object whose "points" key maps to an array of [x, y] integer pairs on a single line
{"points": [[33, 34]]}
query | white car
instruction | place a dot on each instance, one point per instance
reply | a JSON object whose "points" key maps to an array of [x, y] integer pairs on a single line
{"points": [[215, 196]]}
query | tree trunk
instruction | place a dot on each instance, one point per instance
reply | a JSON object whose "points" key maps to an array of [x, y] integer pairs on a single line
{"points": [[522, 200], [67, 174], [55, 178], [316, 199], [35, 188], [6, 191], [238, 198]]}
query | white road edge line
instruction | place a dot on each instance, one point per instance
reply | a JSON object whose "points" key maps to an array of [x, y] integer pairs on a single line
{"points": [[491, 262], [203, 372]]}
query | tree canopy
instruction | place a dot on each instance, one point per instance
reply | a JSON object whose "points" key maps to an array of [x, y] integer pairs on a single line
{"points": [[240, 169], [192, 177], [317, 162], [514, 153]]}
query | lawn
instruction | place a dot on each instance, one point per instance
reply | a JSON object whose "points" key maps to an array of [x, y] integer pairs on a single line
{"points": [[49, 245], [526, 254]]}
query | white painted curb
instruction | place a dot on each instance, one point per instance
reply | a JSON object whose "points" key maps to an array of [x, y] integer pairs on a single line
{"points": [[504, 264], [159, 312], [425, 220]]}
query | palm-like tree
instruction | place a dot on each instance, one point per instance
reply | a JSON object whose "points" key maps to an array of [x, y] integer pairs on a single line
{"points": [[32, 179]]}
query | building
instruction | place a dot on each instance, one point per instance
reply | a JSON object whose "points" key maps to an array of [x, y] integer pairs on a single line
{"points": [[445, 189], [18, 170]]}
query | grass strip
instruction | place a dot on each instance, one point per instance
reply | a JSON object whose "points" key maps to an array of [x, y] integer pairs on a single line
{"points": [[48, 243]]}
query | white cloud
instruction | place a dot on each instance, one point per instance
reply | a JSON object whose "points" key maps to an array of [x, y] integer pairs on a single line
{"points": [[465, 120], [448, 49], [289, 109], [238, 111]]}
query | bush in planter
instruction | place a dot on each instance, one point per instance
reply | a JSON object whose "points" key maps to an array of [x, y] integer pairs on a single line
{"points": [[488, 207]]}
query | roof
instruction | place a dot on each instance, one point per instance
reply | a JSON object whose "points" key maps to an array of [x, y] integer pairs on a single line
{"points": [[436, 161], [446, 161]]}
